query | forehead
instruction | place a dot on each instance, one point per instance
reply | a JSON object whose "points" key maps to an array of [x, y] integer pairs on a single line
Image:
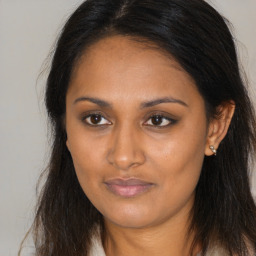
{"points": [[120, 66]]}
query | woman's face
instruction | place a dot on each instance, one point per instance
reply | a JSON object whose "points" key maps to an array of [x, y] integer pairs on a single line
{"points": [[137, 132]]}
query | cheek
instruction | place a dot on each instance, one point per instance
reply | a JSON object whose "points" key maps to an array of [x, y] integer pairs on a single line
{"points": [[88, 170], [183, 146], [179, 157], [87, 155], [84, 148], [87, 158]]}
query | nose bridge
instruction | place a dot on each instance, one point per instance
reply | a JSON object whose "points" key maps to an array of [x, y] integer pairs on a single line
{"points": [[125, 150]]}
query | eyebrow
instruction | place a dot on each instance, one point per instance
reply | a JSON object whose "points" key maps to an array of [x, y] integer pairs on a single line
{"points": [[147, 104], [99, 102], [162, 100]]}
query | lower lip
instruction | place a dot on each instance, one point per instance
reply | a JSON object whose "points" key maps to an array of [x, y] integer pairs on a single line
{"points": [[128, 191]]}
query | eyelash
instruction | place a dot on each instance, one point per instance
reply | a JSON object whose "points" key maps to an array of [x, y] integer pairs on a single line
{"points": [[84, 119], [170, 121]]}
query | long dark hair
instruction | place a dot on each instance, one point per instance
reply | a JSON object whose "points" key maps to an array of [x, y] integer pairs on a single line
{"points": [[199, 39]]}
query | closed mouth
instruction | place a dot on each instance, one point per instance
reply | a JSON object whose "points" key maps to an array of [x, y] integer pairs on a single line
{"points": [[128, 187]]}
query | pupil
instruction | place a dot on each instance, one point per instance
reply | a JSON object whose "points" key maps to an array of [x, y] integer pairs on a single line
{"points": [[95, 119], [156, 120]]}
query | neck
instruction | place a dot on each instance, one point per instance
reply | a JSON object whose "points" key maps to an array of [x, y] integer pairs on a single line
{"points": [[168, 238]]}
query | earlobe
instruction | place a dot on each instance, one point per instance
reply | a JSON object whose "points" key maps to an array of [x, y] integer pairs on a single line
{"points": [[218, 127]]}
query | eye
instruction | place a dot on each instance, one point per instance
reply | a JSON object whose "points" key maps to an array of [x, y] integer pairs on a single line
{"points": [[96, 120], [159, 120]]}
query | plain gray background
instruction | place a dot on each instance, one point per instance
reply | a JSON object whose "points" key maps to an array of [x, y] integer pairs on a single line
{"points": [[28, 29]]}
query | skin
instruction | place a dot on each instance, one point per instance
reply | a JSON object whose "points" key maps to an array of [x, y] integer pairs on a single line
{"points": [[127, 142]]}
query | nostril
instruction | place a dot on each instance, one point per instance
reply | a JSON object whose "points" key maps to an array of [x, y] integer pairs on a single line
{"points": [[125, 158], [125, 150]]}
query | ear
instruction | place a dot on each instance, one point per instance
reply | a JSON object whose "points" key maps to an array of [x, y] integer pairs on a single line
{"points": [[218, 126]]}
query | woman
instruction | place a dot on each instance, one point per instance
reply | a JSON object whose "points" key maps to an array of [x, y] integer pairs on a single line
{"points": [[153, 130]]}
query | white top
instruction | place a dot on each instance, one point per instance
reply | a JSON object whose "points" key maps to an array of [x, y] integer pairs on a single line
{"points": [[97, 249]]}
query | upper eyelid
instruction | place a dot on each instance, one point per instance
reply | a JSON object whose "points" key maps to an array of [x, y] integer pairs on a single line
{"points": [[171, 120], [85, 115], [97, 114], [90, 113], [164, 115], [148, 116]]}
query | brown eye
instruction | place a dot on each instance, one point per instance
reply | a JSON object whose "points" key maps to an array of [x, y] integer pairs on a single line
{"points": [[156, 120], [96, 119], [159, 120]]}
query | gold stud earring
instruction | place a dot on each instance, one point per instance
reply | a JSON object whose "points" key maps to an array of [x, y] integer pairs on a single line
{"points": [[212, 148]]}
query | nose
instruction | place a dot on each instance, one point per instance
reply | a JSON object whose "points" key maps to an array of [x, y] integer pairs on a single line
{"points": [[125, 149]]}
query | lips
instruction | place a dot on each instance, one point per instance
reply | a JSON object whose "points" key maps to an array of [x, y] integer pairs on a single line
{"points": [[128, 187]]}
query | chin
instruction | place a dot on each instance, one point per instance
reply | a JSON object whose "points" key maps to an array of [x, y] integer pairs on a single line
{"points": [[131, 218], [130, 223]]}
